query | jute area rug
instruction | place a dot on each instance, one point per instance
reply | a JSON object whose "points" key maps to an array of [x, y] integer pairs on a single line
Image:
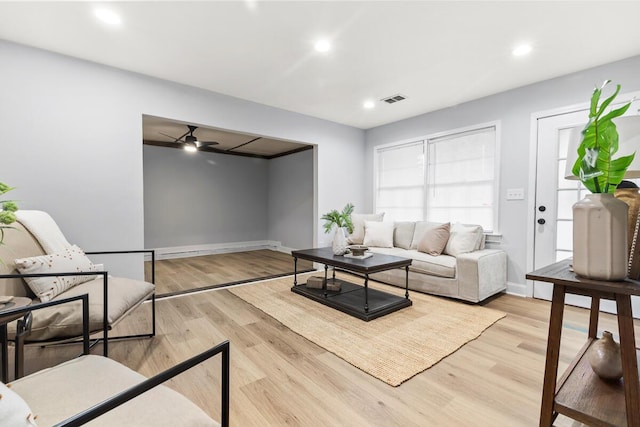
{"points": [[392, 348]]}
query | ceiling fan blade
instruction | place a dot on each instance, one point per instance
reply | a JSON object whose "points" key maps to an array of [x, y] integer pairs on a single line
{"points": [[201, 143], [173, 137]]}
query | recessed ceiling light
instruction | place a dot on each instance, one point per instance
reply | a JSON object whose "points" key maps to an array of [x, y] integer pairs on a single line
{"points": [[108, 16], [322, 46], [368, 104], [522, 50]]}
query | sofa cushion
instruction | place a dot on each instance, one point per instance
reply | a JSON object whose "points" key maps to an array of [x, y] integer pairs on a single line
{"points": [[57, 393], [442, 266], [378, 234], [357, 237], [420, 229], [434, 240], [464, 239], [71, 259], [14, 411], [403, 234], [65, 321]]}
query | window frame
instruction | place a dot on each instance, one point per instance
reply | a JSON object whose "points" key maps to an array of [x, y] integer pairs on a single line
{"points": [[442, 134]]}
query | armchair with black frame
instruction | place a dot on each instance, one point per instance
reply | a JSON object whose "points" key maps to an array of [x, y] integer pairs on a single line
{"points": [[40, 264], [95, 388]]}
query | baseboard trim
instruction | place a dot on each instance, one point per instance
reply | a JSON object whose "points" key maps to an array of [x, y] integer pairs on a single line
{"points": [[518, 289], [216, 248]]}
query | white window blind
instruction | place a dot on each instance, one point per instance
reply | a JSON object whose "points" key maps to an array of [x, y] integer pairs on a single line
{"points": [[461, 178], [449, 178], [400, 182]]}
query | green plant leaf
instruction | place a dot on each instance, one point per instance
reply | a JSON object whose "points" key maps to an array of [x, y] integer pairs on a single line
{"points": [[595, 165]]}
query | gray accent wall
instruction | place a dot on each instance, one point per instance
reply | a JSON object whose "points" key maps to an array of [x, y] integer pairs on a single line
{"points": [[514, 110], [71, 135], [291, 200], [204, 198]]}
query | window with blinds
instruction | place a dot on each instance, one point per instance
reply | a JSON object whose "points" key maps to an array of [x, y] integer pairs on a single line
{"points": [[400, 181], [449, 178]]}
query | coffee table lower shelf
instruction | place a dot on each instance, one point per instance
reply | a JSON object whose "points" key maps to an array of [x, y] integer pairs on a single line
{"points": [[351, 300]]}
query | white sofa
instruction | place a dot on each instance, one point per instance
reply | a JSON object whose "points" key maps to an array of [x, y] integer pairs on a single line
{"points": [[465, 270]]}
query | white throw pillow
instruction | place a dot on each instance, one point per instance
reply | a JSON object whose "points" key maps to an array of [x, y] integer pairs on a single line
{"points": [[14, 411], [70, 260], [378, 234], [464, 239], [357, 237]]}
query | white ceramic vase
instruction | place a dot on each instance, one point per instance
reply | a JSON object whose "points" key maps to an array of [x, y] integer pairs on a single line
{"points": [[340, 241], [600, 237]]}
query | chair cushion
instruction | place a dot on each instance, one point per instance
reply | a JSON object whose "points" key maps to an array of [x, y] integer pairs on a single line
{"points": [[57, 393], [65, 321], [71, 259]]}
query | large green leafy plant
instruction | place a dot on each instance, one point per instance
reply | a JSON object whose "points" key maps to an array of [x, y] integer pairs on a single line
{"points": [[339, 219], [7, 214], [595, 166]]}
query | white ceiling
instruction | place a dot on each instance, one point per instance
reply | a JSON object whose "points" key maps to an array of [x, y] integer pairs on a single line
{"points": [[437, 53]]}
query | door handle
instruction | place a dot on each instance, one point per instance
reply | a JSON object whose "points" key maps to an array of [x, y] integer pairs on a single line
{"points": [[541, 221]]}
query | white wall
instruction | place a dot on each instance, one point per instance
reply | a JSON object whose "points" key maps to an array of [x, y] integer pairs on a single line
{"points": [[71, 135], [514, 110], [290, 205]]}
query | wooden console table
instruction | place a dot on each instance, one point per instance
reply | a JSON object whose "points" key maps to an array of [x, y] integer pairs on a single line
{"points": [[580, 394]]}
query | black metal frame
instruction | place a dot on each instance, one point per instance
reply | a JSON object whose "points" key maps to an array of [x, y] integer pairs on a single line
{"points": [[127, 395], [105, 276], [23, 327], [153, 297], [132, 392]]}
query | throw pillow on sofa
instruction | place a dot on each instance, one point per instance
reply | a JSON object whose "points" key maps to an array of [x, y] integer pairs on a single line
{"points": [[403, 234], [69, 260], [421, 228], [357, 237], [464, 239], [435, 239], [378, 234]]}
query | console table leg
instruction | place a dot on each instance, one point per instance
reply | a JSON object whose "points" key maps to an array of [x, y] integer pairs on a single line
{"points": [[593, 317], [366, 293], [553, 354], [629, 361], [295, 271]]}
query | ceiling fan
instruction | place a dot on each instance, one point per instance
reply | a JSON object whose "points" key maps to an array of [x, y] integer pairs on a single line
{"points": [[189, 141]]}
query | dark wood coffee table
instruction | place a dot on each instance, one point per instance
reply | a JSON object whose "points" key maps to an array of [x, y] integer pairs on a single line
{"points": [[358, 301]]}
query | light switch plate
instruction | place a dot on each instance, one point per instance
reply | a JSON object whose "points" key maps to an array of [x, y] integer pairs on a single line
{"points": [[515, 193]]}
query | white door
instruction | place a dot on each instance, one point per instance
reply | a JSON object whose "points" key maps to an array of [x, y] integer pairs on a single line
{"points": [[555, 197]]}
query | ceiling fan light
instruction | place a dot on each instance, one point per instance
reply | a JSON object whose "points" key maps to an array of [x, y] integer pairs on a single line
{"points": [[190, 146]]}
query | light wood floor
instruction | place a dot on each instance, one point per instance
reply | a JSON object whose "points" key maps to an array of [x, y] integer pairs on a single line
{"points": [[279, 378], [180, 275]]}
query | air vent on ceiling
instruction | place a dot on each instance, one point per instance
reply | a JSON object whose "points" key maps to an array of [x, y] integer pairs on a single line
{"points": [[394, 98]]}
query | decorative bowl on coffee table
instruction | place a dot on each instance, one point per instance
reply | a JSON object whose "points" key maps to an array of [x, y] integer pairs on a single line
{"points": [[358, 250]]}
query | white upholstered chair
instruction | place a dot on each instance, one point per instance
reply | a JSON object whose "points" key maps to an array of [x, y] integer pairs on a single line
{"points": [[55, 269]]}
